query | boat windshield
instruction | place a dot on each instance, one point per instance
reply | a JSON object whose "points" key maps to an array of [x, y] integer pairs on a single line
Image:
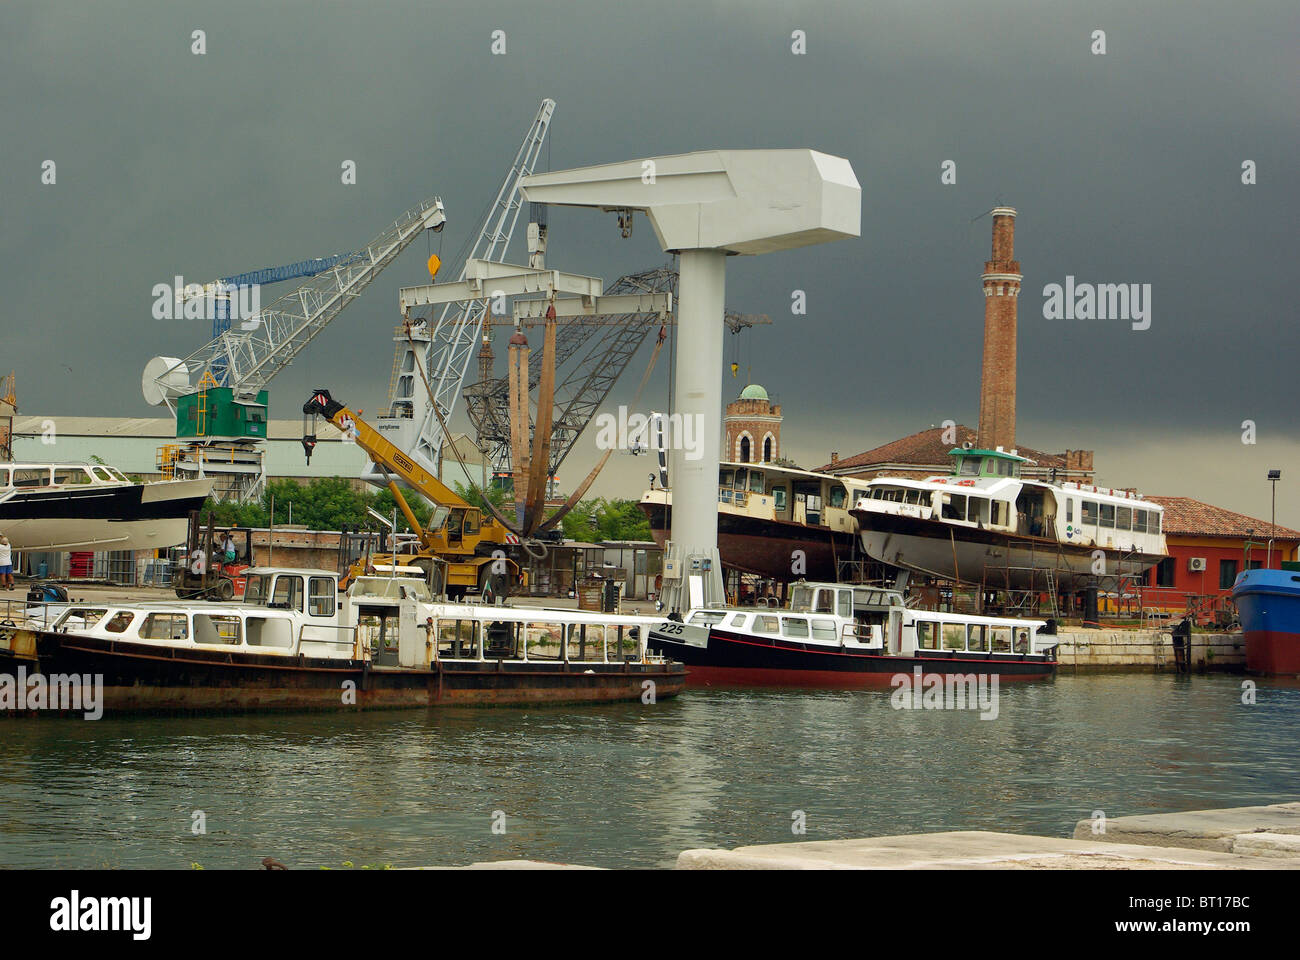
{"points": [[801, 599], [257, 588]]}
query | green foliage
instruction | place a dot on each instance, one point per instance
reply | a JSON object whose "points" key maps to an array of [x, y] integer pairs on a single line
{"points": [[496, 495], [327, 503], [605, 519]]}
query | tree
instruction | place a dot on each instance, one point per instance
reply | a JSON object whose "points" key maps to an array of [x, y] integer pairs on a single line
{"points": [[605, 519]]}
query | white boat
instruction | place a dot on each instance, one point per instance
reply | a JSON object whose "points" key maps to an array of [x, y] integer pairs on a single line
{"points": [[297, 642], [986, 524], [843, 635], [90, 506]]}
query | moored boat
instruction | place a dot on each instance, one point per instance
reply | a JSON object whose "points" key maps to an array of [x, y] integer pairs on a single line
{"points": [[296, 642], [90, 506], [1268, 605], [985, 524], [842, 635]]}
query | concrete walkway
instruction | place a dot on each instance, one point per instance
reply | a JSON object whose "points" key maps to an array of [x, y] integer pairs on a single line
{"points": [[971, 850], [1271, 832]]}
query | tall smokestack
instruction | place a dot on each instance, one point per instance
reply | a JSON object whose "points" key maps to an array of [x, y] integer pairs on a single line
{"points": [[1001, 290]]}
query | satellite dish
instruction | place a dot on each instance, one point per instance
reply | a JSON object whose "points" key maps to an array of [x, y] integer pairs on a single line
{"points": [[164, 379]]}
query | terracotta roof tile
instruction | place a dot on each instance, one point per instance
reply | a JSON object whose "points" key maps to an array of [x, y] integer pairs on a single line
{"points": [[927, 447], [1190, 517]]}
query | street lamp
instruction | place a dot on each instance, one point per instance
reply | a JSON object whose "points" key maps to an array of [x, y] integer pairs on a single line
{"points": [[1273, 477]]}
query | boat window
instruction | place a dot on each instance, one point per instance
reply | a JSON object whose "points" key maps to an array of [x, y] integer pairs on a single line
{"points": [[737, 620], [765, 624], [913, 496], [824, 630], [288, 593], [256, 588], [846, 603], [1089, 513], [825, 601], [954, 507], [320, 600], [4, 477], [269, 632], [1022, 641], [1139, 521], [216, 628], [1153, 522], [970, 466], [1069, 509], [742, 477], [977, 640], [1004, 468], [102, 474], [794, 627], [1123, 518], [545, 640], [954, 636], [837, 497], [725, 478], [31, 477], [1001, 639], [925, 634], [82, 617], [778, 499], [71, 475], [801, 598], [755, 482], [120, 622], [458, 639], [977, 510], [165, 626], [707, 618], [1108, 515]]}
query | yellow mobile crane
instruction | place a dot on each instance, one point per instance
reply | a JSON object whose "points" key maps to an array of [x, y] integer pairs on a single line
{"points": [[472, 546]]}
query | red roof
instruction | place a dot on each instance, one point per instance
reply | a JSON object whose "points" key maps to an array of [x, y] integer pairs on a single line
{"points": [[928, 448], [1190, 517]]}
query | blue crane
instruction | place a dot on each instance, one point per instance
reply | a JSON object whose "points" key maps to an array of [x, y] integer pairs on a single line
{"points": [[290, 271]]}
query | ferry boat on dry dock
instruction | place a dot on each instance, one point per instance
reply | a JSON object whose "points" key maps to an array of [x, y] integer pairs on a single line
{"points": [[1268, 605], [90, 506], [986, 524], [844, 635], [296, 642], [766, 512]]}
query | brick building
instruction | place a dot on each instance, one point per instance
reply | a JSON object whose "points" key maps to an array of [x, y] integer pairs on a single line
{"points": [[925, 454], [751, 428], [1208, 546]]}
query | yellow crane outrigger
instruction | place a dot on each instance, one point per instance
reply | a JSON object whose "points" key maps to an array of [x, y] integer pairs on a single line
{"points": [[473, 547]]}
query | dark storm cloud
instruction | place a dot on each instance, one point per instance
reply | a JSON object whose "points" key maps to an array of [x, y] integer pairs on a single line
{"points": [[1124, 167]]}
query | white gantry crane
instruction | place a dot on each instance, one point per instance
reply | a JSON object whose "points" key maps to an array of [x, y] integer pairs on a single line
{"points": [[444, 344], [220, 423]]}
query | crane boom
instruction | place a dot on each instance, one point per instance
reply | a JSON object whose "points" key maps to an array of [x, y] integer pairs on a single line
{"points": [[388, 459], [449, 340], [269, 341]]}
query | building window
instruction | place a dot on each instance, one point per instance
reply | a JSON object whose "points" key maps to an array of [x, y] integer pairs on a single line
{"points": [[1227, 574], [1165, 572], [744, 449], [767, 449]]}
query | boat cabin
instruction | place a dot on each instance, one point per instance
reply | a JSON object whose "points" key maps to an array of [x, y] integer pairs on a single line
{"points": [[783, 493], [23, 476]]}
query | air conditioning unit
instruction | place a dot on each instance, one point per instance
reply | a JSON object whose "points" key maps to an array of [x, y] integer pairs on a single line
{"points": [[1196, 564]]}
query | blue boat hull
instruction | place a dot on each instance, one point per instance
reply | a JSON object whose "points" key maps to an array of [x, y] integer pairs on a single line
{"points": [[1268, 605]]}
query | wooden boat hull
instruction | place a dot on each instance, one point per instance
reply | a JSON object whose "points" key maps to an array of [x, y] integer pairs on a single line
{"points": [[767, 547], [143, 677], [731, 658]]}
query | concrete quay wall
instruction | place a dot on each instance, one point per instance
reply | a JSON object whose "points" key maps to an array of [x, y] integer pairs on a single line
{"points": [[1099, 651]]}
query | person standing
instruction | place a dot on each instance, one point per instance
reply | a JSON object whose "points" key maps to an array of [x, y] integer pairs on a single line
{"points": [[6, 563]]}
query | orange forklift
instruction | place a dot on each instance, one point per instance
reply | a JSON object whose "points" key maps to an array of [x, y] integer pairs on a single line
{"points": [[206, 571]]}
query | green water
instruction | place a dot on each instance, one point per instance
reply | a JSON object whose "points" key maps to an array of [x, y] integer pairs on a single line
{"points": [[631, 785]]}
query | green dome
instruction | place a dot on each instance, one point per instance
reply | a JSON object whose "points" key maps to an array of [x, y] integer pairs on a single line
{"points": [[753, 392]]}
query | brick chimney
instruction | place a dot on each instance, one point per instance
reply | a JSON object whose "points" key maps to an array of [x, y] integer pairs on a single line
{"points": [[1001, 278], [835, 456]]}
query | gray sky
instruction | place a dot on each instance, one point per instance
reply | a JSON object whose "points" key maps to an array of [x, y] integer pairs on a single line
{"points": [[1125, 168]]}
